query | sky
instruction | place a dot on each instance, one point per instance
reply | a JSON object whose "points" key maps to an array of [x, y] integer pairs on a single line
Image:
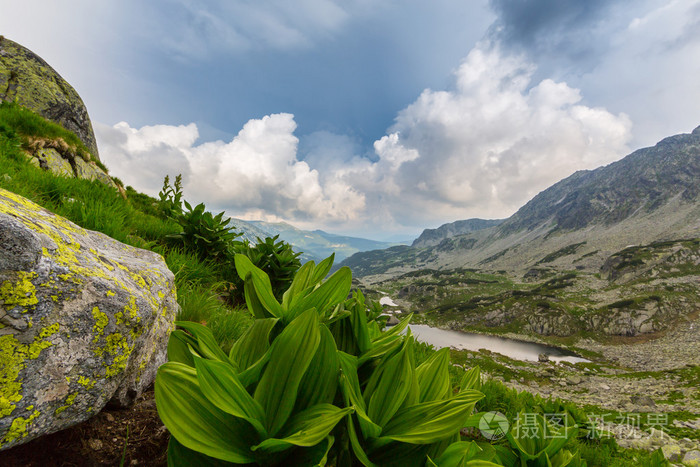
{"points": [[374, 118]]}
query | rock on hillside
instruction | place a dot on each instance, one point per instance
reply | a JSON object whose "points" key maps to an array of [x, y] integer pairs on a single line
{"points": [[84, 320], [432, 237], [29, 80]]}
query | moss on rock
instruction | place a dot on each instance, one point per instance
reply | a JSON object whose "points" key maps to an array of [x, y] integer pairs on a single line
{"points": [[27, 79], [86, 319]]}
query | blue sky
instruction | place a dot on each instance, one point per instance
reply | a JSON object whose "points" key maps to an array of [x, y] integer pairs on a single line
{"points": [[369, 117]]}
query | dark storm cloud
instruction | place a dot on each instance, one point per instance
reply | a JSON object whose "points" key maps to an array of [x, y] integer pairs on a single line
{"points": [[572, 29]]}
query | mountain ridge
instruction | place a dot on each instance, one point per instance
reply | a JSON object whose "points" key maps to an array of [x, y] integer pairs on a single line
{"points": [[652, 194], [431, 237]]}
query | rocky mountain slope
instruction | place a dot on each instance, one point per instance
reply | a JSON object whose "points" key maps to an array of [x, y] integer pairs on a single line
{"points": [[651, 195], [432, 237]]}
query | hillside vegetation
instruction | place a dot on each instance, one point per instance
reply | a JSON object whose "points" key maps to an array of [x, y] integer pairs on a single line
{"points": [[303, 373]]}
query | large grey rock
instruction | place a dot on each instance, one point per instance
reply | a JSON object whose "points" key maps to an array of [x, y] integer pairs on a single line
{"points": [[29, 80], [84, 320]]}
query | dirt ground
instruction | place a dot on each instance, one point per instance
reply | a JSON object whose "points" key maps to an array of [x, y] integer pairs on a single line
{"points": [[135, 435]]}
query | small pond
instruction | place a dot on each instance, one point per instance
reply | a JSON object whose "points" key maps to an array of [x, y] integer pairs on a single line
{"points": [[518, 350]]}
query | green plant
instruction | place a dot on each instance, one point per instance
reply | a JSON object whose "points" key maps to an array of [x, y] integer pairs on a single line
{"points": [[209, 236], [538, 442], [276, 258], [313, 380], [170, 202]]}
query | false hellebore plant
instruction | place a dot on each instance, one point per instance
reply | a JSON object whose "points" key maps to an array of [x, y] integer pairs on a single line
{"points": [[314, 381]]}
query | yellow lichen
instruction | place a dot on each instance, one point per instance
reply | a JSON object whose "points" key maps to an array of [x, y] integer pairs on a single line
{"points": [[133, 309], [13, 356], [69, 401], [117, 347], [18, 429], [85, 382], [20, 292], [49, 331], [101, 322], [110, 293]]}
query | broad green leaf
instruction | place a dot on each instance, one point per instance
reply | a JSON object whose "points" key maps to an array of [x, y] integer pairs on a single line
{"points": [[180, 456], [316, 455], [306, 428], [413, 395], [471, 379], [533, 436], [252, 374], [344, 336], [320, 382], [462, 453], [358, 319], [219, 384], [429, 422], [505, 455], [261, 283], [253, 344], [299, 284], [386, 342], [389, 385], [434, 376], [252, 301], [322, 269], [381, 348], [357, 448], [350, 386], [195, 422], [206, 344], [333, 291], [290, 355], [395, 331], [179, 347]]}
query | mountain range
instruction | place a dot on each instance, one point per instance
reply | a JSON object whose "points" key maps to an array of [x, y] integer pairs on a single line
{"points": [[314, 244], [650, 195]]}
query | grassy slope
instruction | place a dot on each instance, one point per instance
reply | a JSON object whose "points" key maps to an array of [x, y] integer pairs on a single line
{"points": [[137, 221]]}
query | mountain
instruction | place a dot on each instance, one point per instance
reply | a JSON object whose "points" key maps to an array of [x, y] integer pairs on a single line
{"points": [[432, 237], [651, 195], [315, 245]]}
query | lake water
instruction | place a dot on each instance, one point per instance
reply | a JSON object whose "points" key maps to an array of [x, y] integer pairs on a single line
{"points": [[514, 349], [518, 350]]}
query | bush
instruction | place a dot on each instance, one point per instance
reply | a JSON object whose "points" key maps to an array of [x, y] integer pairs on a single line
{"points": [[312, 380], [274, 257]]}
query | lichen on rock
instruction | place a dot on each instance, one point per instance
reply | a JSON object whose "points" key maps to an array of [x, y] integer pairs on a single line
{"points": [[84, 320], [32, 83]]}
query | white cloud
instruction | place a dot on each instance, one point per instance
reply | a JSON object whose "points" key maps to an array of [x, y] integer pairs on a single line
{"points": [[481, 149], [486, 147], [651, 70], [256, 172]]}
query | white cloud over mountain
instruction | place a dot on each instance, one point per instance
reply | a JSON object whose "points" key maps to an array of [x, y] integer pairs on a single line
{"points": [[257, 174], [480, 149]]}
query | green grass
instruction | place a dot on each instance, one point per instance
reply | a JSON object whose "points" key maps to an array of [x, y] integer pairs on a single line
{"points": [[25, 123], [136, 221]]}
